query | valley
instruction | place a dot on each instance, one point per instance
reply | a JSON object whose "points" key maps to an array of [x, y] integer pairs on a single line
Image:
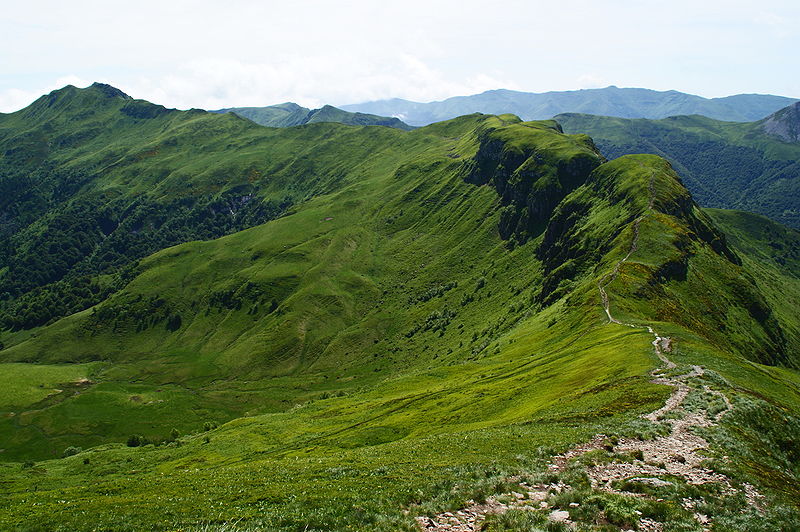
{"points": [[331, 327]]}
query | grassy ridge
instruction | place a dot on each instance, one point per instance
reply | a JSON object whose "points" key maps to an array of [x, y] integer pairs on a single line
{"points": [[95, 180]]}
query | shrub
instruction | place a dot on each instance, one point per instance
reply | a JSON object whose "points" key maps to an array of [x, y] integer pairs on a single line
{"points": [[621, 514], [174, 322], [71, 451], [134, 440]]}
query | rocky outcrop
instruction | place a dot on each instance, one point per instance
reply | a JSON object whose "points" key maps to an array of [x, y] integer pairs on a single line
{"points": [[530, 175], [144, 110], [784, 124]]}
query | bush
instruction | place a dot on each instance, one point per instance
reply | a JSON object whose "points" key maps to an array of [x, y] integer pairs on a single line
{"points": [[71, 451], [174, 322], [134, 440], [622, 512]]}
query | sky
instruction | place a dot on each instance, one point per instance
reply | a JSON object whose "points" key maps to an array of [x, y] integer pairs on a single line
{"points": [[210, 54]]}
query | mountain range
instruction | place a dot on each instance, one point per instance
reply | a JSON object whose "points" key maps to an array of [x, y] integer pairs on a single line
{"points": [[208, 324], [753, 166], [290, 114], [610, 101]]}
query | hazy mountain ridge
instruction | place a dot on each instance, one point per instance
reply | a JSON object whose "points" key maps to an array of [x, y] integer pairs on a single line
{"points": [[610, 101], [290, 114]]}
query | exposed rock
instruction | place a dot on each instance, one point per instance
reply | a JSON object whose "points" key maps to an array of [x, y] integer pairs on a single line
{"points": [[784, 124], [528, 178]]}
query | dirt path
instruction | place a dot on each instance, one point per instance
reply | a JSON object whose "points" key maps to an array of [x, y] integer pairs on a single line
{"points": [[676, 454]]}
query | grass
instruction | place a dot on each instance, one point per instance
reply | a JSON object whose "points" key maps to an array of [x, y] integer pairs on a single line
{"points": [[24, 385]]}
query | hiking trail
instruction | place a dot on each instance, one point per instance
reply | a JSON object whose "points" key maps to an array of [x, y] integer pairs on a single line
{"points": [[676, 454]]}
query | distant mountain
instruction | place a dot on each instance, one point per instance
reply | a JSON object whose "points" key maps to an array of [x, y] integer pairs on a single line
{"points": [[753, 166], [610, 101], [290, 114]]}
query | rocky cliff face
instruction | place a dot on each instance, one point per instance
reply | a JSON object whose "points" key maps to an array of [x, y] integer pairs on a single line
{"points": [[529, 175], [784, 124]]}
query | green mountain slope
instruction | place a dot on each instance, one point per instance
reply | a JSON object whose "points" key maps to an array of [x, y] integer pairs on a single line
{"points": [[94, 180], [421, 326], [725, 164], [609, 101], [290, 114]]}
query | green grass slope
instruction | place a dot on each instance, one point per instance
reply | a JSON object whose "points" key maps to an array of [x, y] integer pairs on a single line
{"points": [[725, 164], [303, 284], [290, 114], [771, 254], [94, 180], [396, 343]]}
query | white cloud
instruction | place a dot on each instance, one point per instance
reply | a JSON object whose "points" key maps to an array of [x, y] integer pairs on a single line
{"points": [[15, 99], [591, 81], [309, 81], [780, 26]]}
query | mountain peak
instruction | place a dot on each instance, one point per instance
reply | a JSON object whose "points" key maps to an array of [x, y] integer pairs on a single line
{"points": [[784, 124], [290, 106], [108, 90], [70, 95], [96, 88]]}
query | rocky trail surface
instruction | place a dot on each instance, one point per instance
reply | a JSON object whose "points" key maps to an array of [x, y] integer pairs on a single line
{"points": [[677, 454]]}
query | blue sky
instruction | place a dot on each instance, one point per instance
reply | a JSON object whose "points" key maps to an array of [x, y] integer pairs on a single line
{"points": [[212, 54]]}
